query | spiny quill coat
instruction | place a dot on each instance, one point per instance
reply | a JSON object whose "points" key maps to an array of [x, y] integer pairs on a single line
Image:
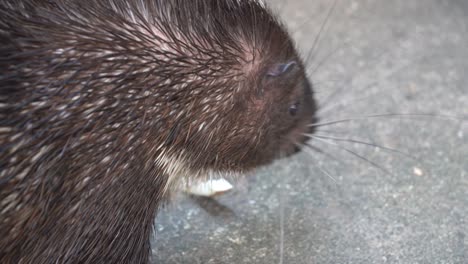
{"points": [[106, 105]]}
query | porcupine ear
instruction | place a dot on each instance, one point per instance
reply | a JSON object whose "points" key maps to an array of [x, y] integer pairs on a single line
{"points": [[280, 69]]}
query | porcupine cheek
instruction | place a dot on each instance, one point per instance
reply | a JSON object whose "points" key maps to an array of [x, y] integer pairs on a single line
{"points": [[298, 119]]}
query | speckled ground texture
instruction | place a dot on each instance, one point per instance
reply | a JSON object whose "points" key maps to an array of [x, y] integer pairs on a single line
{"points": [[387, 57]]}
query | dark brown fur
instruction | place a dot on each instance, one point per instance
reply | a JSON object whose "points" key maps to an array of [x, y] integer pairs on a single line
{"points": [[102, 101]]}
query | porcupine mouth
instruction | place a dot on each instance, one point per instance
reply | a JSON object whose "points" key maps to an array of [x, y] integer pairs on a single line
{"points": [[296, 139]]}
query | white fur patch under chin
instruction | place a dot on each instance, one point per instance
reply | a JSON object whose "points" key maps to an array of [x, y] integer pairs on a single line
{"points": [[175, 167], [182, 177]]}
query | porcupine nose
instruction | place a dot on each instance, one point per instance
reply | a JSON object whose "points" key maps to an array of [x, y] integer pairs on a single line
{"points": [[308, 118], [302, 133]]}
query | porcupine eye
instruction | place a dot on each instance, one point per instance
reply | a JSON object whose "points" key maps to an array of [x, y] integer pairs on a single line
{"points": [[279, 70], [294, 108]]}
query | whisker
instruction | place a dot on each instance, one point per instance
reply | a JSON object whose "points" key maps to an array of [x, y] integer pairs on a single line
{"points": [[339, 132], [356, 155], [374, 83], [329, 98], [351, 140], [325, 108], [317, 38], [326, 58], [281, 253], [397, 115], [339, 90], [322, 152], [282, 209], [329, 84], [325, 172], [301, 25], [317, 163]]}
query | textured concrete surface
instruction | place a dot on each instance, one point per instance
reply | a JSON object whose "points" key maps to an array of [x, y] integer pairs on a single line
{"points": [[388, 57]]}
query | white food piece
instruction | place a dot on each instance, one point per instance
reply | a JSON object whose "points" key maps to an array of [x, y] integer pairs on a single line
{"points": [[210, 187], [417, 171]]}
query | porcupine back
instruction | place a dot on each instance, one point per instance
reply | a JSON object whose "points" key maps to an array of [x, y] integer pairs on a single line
{"points": [[107, 104]]}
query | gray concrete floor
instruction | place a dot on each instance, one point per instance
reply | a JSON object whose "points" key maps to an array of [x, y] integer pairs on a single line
{"points": [[388, 57]]}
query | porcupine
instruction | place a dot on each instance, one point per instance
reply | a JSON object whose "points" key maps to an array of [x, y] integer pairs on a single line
{"points": [[106, 105]]}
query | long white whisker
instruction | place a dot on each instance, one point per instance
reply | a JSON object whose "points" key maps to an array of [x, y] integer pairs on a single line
{"points": [[317, 164], [325, 108], [326, 59], [322, 152], [311, 54], [333, 132], [355, 154], [351, 140], [282, 186], [396, 115], [281, 253]]}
